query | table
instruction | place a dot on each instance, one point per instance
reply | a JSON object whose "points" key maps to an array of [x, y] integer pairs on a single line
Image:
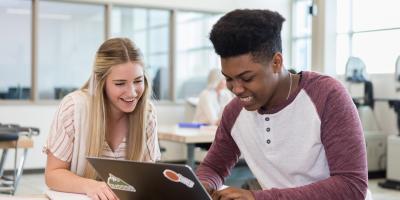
{"points": [[25, 197], [188, 136], [23, 142]]}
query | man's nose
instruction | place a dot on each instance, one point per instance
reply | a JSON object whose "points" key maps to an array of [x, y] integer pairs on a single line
{"points": [[237, 88]]}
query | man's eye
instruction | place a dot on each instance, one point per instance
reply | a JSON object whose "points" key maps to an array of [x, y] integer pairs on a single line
{"points": [[138, 81], [247, 79], [119, 84]]}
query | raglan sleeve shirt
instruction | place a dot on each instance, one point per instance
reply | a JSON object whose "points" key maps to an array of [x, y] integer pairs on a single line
{"points": [[341, 136]]}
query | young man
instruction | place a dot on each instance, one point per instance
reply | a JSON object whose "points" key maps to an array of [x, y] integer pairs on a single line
{"points": [[300, 134]]}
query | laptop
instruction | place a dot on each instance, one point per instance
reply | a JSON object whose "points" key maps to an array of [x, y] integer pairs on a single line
{"points": [[149, 181]]}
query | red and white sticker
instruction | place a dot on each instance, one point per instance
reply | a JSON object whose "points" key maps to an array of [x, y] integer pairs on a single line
{"points": [[178, 178]]}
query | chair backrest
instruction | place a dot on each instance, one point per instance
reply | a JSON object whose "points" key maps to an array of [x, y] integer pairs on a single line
{"points": [[397, 70], [356, 73], [190, 108], [355, 70]]}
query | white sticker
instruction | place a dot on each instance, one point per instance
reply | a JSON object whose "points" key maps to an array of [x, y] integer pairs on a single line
{"points": [[118, 184], [175, 177]]}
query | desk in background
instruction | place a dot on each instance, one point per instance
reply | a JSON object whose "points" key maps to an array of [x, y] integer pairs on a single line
{"points": [[188, 136]]}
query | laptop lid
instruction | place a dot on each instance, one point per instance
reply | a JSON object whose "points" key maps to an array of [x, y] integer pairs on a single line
{"points": [[149, 181]]}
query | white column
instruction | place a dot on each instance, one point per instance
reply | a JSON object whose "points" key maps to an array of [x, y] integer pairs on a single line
{"points": [[323, 56]]}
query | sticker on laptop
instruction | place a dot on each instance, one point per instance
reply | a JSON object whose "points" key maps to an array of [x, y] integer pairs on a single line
{"points": [[118, 184], [175, 177]]}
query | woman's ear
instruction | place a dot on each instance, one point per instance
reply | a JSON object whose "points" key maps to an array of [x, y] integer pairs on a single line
{"points": [[277, 62]]}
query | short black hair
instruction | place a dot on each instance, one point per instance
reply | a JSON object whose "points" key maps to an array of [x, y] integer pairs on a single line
{"points": [[257, 32]]}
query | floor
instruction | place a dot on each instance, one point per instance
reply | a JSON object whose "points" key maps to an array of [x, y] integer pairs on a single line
{"points": [[34, 184]]}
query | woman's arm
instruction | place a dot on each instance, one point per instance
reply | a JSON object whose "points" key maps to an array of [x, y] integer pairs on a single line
{"points": [[59, 178]]}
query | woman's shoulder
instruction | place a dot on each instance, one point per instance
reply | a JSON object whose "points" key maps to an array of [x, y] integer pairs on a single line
{"points": [[79, 95], [76, 97], [73, 101]]}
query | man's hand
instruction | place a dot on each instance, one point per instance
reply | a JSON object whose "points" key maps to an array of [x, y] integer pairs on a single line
{"points": [[208, 188], [231, 193]]}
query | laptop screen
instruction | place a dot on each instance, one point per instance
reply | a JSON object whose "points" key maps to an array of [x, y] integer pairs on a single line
{"points": [[149, 181]]}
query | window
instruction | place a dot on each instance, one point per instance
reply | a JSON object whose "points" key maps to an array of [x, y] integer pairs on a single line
{"points": [[375, 14], [370, 30], [195, 53], [301, 42], [69, 35], [378, 49], [149, 29], [15, 49]]}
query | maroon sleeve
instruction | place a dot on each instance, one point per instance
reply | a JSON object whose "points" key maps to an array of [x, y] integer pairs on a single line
{"points": [[223, 153], [342, 137]]}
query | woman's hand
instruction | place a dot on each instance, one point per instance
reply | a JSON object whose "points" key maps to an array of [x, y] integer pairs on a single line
{"points": [[97, 190]]}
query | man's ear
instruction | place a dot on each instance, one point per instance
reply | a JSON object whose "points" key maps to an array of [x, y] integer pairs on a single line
{"points": [[277, 62]]}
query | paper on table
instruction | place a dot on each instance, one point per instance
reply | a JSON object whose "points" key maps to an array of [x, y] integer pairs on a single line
{"points": [[65, 195], [222, 187]]}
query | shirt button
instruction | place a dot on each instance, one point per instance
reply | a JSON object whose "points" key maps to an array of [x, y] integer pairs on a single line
{"points": [[267, 119], [268, 141], [267, 129]]}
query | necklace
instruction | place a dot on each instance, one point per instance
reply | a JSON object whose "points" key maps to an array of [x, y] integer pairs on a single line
{"points": [[290, 86]]}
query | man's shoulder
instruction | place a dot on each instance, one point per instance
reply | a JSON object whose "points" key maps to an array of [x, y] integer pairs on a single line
{"points": [[232, 111], [234, 105], [315, 80]]}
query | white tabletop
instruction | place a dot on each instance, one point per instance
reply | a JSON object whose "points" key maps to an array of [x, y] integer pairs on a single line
{"points": [[174, 133]]}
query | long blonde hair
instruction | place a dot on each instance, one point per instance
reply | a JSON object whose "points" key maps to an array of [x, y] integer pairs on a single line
{"points": [[113, 52]]}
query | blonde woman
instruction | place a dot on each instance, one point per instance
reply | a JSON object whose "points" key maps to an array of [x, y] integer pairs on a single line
{"points": [[110, 116]]}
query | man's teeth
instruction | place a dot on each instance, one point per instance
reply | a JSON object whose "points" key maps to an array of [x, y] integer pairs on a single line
{"points": [[246, 99]]}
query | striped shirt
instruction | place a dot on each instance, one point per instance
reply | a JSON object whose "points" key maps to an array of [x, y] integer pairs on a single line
{"points": [[308, 147], [118, 153]]}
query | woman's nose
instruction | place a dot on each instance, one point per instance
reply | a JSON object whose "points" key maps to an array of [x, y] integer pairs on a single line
{"points": [[132, 91]]}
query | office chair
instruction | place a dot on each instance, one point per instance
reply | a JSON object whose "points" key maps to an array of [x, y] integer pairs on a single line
{"points": [[375, 139], [355, 74], [11, 136]]}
